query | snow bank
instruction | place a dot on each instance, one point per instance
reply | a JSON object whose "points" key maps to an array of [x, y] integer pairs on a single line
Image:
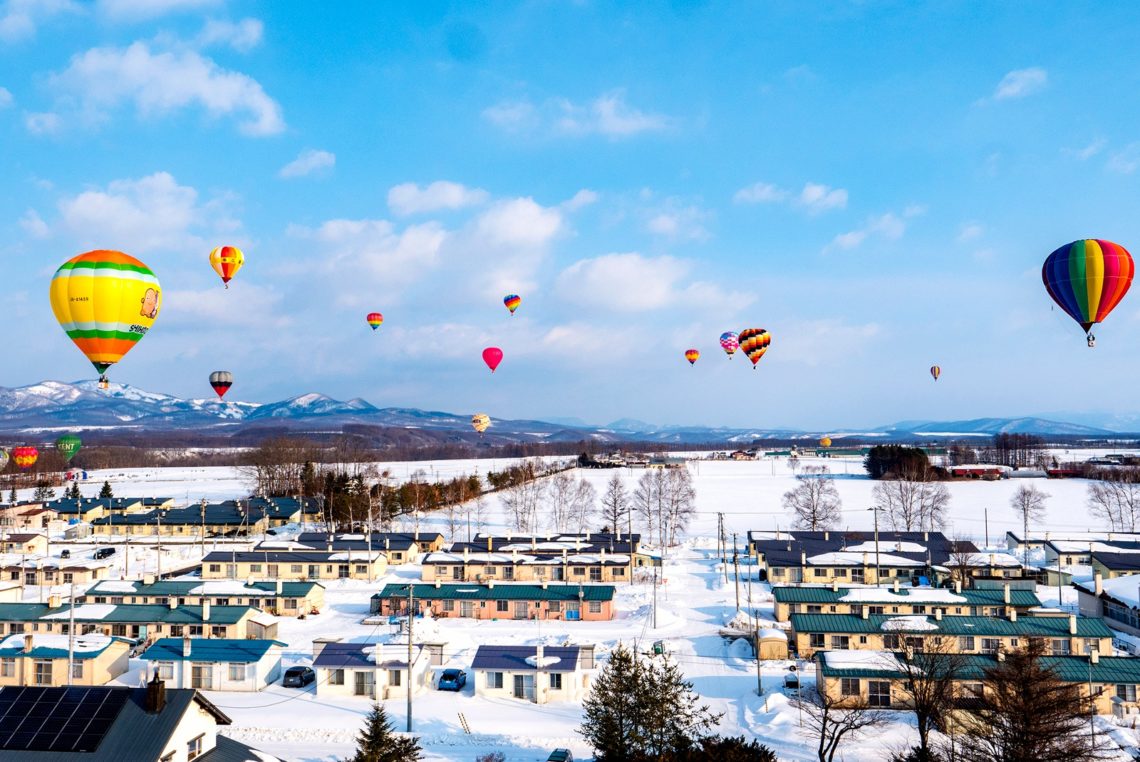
{"points": [[85, 611], [909, 623], [545, 661], [116, 586]]}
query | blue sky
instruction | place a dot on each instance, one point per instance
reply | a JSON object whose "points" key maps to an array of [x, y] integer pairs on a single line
{"points": [[876, 183]]}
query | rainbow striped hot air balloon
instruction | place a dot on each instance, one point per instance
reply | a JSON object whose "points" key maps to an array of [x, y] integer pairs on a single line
{"points": [[754, 342], [1087, 279], [226, 261], [374, 319], [106, 301], [692, 355], [512, 301]]}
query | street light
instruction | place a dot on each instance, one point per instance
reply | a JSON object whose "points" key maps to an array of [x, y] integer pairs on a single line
{"points": [[875, 508]]}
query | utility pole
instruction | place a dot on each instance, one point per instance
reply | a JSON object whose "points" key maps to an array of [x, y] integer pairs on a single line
{"points": [[369, 531], [411, 617], [878, 581], [986, 513], [202, 530], [655, 597], [158, 544], [759, 679], [71, 636], [736, 571]]}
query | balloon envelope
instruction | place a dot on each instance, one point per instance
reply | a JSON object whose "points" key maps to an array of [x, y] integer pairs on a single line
{"points": [[25, 457], [729, 342], [226, 261], [1088, 278], [3, 459], [512, 301], [221, 380], [692, 355], [374, 319], [480, 422], [492, 356], [106, 301], [68, 445], [935, 371], [754, 342], [825, 441]]}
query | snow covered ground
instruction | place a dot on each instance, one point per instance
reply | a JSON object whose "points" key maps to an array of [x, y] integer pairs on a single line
{"points": [[694, 601]]}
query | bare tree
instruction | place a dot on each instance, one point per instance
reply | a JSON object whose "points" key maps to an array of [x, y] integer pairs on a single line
{"points": [[928, 680], [521, 501], [913, 502], [559, 495], [814, 502], [1029, 504], [1114, 497], [962, 560], [831, 720], [615, 504], [583, 504], [680, 503], [648, 503]]}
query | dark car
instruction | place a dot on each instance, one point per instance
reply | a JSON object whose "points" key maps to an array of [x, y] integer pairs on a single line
{"points": [[103, 553], [452, 680], [65, 553], [298, 677], [560, 755]]}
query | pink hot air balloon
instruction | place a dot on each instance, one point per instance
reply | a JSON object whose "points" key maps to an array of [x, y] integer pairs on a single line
{"points": [[492, 356]]}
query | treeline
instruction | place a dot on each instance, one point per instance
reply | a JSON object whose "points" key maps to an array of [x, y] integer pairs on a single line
{"points": [[901, 462]]}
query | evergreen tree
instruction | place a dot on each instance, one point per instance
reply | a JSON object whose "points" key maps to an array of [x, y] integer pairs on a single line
{"points": [[377, 742], [75, 494], [729, 749], [43, 492], [106, 492], [12, 495]]}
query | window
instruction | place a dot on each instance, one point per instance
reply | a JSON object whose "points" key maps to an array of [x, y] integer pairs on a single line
{"points": [[175, 630], [840, 572], [165, 670], [488, 571], [501, 605], [43, 672], [1092, 645], [456, 572], [68, 578], [578, 571], [77, 670], [862, 640], [168, 757], [849, 686], [556, 682], [494, 679], [336, 677], [195, 630], [224, 602], [879, 693], [290, 603], [194, 747], [966, 643], [295, 568], [394, 677], [973, 689], [449, 605], [361, 568], [815, 640], [508, 572], [819, 572], [273, 570], [892, 642], [991, 645], [522, 609], [255, 568], [595, 574], [814, 608], [218, 631], [595, 607], [554, 606], [840, 641], [116, 600], [876, 610], [237, 672], [619, 571], [7, 667], [1060, 646], [1126, 692]]}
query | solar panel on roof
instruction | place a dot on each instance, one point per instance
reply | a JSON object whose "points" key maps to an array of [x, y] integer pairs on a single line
{"points": [[57, 719]]}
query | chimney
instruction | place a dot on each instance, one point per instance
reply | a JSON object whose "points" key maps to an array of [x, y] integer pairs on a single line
{"points": [[29, 643], [1013, 615], [534, 542], [1005, 593], [835, 585], [958, 586], [1072, 624], [53, 601], [1098, 584], [185, 647], [937, 615], [544, 583], [603, 554], [1000, 656], [155, 695], [896, 584], [578, 544], [205, 609], [491, 544], [437, 583], [514, 556], [490, 584], [1094, 657], [172, 602], [826, 535], [538, 654], [803, 558], [466, 555], [866, 612], [280, 586], [148, 579], [926, 536]]}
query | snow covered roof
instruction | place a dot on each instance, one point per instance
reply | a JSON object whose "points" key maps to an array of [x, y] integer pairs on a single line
{"points": [[47, 646], [853, 558], [909, 623], [886, 546], [905, 595], [884, 661], [84, 611], [770, 633]]}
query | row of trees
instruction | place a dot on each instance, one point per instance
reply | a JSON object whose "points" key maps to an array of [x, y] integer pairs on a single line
{"points": [[912, 502]]}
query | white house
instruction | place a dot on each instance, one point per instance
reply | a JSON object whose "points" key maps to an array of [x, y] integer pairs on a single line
{"points": [[215, 664], [369, 669], [534, 673]]}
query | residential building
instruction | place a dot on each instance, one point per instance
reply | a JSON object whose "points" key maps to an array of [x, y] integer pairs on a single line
{"points": [[294, 565], [28, 543], [1117, 600], [400, 547], [1016, 541], [228, 519], [899, 599], [25, 515], [90, 508], [506, 601], [1063, 635], [1115, 563], [878, 678], [51, 570], [42, 659], [378, 671], [151, 724], [526, 567], [215, 664], [11, 592], [533, 673], [138, 622], [276, 596], [558, 544]]}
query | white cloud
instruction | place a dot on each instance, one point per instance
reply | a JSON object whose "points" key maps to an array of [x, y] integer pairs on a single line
{"points": [[609, 114], [308, 162], [817, 342], [970, 231], [1020, 83], [819, 198], [45, 123], [159, 83], [1089, 151], [135, 10], [519, 222], [582, 198], [260, 305], [19, 18], [410, 198], [34, 225], [679, 222], [888, 226], [1126, 160], [5, 97], [760, 193], [149, 213], [243, 36], [814, 197], [630, 282]]}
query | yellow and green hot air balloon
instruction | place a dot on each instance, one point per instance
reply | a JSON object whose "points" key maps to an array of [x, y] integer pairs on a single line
{"points": [[68, 445], [106, 301]]}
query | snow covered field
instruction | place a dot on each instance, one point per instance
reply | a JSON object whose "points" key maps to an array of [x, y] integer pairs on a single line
{"points": [[694, 601]]}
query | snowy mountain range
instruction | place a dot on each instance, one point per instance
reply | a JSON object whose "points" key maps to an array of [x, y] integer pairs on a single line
{"points": [[53, 405]]}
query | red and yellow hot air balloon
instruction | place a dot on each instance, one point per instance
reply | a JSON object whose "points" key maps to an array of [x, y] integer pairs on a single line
{"points": [[25, 457], [374, 319], [754, 343], [692, 355], [226, 261], [106, 301], [1087, 279], [512, 301]]}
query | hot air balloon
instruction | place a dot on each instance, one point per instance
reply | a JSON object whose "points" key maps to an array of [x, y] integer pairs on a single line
{"points": [[1087, 279], [25, 457], [68, 445], [226, 261], [935, 371], [825, 441], [374, 319], [754, 342], [492, 356], [221, 380], [729, 342], [480, 422], [512, 301], [106, 301], [692, 355], [3, 459]]}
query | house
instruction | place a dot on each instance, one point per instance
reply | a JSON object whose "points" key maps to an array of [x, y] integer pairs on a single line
{"points": [[276, 597], [215, 664], [899, 599], [553, 546], [878, 678], [294, 565], [1116, 599], [1079, 553], [116, 724], [42, 659], [87, 509], [228, 519], [966, 634], [507, 601], [49, 570], [400, 547], [533, 673], [283, 510], [11, 592], [1111, 564], [985, 471], [138, 622], [29, 543], [23, 515], [1016, 541], [379, 671], [526, 567]]}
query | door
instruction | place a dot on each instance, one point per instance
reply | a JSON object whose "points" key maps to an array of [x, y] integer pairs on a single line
{"points": [[573, 611], [363, 683], [466, 608], [559, 574], [201, 677], [314, 571], [524, 687]]}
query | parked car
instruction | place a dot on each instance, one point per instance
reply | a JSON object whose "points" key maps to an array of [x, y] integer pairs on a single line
{"points": [[298, 677], [103, 553], [560, 755], [65, 553], [452, 680]]}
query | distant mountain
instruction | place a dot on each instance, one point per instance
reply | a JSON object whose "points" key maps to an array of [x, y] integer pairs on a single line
{"points": [[51, 406]]}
